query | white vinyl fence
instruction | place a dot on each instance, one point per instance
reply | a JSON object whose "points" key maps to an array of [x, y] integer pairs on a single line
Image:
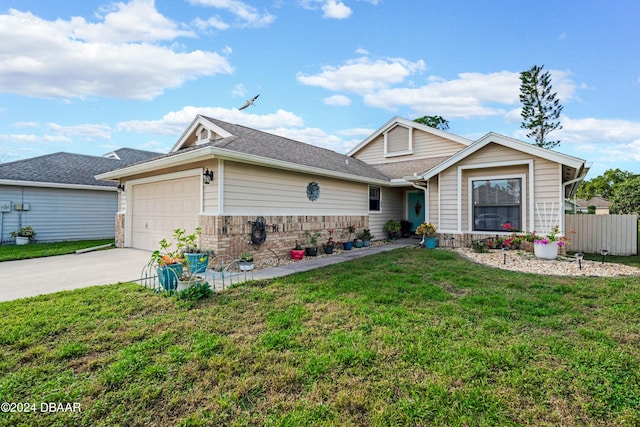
{"points": [[616, 233]]}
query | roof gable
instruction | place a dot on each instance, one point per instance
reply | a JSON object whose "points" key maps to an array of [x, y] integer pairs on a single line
{"points": [[409, 124], [201, 131], [512, 143]]}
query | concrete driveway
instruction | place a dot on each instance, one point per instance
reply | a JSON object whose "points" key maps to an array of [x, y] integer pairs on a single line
{"points": [[31, 277]]}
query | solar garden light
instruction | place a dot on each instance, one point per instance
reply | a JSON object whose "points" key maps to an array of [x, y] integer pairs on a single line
{"points": [[604, 253], [579, 257], [504, 253]]}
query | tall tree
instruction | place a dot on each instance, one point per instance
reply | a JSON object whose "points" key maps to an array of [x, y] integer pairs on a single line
{"points": [[603, 185], [540, 108], [626, 197], [437, 122]]}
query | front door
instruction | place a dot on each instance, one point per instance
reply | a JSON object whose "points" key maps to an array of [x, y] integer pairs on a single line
{"points": [[415, 208]]}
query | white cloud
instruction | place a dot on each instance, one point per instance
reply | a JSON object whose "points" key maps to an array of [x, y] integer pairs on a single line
{"points": [[175, 122], [362, 75], [85, 130], [337, 100], [115, 58], [249, 16], [335, 10], [314, 136], [213, 22]]}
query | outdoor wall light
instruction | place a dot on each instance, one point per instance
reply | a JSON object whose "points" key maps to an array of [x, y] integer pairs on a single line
{"points": [[604, 253], [579, 257], [121, 188], [207, 176]]}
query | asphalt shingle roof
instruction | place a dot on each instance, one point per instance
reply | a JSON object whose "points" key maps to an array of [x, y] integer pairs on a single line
{"points": [[258, 143], [69, 168]]}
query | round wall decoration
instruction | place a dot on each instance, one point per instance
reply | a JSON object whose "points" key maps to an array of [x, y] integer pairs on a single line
{"points": [[313, 191]]}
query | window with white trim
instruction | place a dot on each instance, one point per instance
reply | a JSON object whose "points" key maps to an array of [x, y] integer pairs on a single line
{"points": [[497, 202], [374, 199]]}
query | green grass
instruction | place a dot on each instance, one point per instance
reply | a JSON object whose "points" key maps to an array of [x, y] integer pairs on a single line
{"points": [[37, 250], [410, 337]]}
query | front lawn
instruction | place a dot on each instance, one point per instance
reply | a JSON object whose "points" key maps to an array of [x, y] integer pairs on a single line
{"points": [[409, 337], [43, 249]]}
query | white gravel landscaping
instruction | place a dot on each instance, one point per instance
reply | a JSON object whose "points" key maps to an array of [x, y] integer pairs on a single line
{"points": [[518, 260]]}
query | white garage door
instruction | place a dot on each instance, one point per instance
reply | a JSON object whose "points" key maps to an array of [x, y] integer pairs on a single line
{"points": [[158, 208]]}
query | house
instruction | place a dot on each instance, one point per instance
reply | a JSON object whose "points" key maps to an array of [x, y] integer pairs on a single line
{"points": [[59, 197], [600, 206], [225, 177]]}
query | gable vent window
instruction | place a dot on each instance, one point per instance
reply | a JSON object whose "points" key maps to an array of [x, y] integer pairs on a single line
{"points": [[398, 141], [374, 199]]}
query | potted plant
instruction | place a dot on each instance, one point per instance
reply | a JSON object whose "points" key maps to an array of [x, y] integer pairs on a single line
{"points": [[23, 235], [405, 228], [366, 237], [428, 232], [392, 227], [180, 263], [547, 247], [330, 244], [297, 253], [196, 258], [347, 245], [246, 261], [312, 238], [170, 265]]}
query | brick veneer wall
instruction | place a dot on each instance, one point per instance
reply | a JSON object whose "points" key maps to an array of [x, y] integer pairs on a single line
{"points": [[119, 230], [231, 235]]}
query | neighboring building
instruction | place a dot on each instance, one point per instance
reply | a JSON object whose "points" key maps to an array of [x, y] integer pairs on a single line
{"points": [[403, 170], [600, 206], [58, 195]]}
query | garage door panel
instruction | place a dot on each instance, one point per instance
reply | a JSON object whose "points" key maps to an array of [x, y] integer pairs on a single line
{"points": [[160, 207]]}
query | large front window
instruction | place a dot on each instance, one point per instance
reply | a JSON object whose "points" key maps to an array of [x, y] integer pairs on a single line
{"points": [[497, 202]]}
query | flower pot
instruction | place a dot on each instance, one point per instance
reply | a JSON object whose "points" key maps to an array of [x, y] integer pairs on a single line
{"points": [[21, 240], [347, 246], [430, 242], [297, 254], [197, 262], [358, 243], [366, 243], [246, 265], [328, 250], [311, 251], [168, 276], [548, 251]]}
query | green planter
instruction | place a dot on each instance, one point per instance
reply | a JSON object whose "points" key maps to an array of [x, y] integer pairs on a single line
{"points": [[197, 262], [168, 276], [431, 242]]}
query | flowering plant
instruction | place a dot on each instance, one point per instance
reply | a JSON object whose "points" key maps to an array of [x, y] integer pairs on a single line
{"points": [[426, 229], [553, 236]]}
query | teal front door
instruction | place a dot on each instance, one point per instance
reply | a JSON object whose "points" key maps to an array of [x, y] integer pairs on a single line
{"points": [[415, 208]]}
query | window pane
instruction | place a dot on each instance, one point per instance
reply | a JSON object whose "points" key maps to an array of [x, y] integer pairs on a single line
{"points": [[496, 202], [374, 199]]}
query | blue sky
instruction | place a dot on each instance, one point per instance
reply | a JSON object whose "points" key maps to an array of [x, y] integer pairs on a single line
{"points": [[93, 76]]}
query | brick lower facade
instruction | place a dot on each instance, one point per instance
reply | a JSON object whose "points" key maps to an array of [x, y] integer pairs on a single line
{"points": [[231, 235]]}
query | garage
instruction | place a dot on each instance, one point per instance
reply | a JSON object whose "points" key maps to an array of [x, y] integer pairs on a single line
{"points": [[159, 207]]}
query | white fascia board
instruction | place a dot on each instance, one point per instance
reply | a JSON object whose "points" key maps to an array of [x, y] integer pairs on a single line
{"points": [[163, 162], [18, 183], [198, 120], [409, 124]]}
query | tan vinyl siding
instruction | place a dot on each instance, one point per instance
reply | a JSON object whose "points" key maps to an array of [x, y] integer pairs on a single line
{"points": [[257, 190], [425, 145], [398, 139], [373, 152], [448, 181], [433, 203], [392, 207], [211, 191]]}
